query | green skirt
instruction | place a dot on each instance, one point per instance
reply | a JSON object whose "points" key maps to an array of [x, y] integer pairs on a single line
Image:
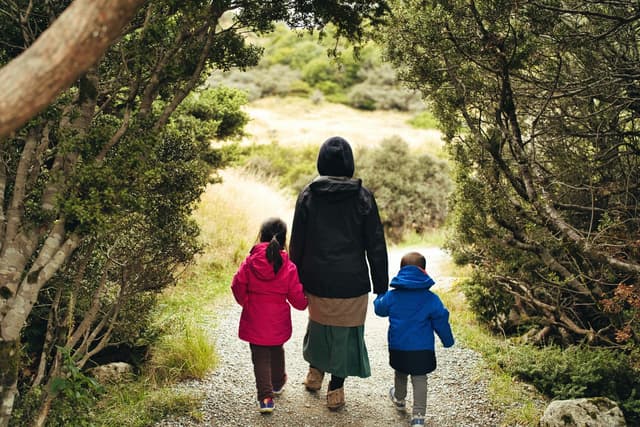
{"points": [[338, 350]]}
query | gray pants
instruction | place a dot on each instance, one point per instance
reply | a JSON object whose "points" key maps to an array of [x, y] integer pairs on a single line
{"points": [[419, 383]]}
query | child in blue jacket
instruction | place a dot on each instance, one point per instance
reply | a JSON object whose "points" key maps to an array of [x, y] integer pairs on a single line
{"points": [[415, 313]]}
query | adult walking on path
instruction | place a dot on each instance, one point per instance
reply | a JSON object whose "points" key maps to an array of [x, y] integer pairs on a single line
{"points": [[338, 244]]}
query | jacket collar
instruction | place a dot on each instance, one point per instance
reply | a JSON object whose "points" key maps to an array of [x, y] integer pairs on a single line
{"points": [[335, 184]]}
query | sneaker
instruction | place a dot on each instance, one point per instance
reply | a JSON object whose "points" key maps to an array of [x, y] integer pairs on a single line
{"points": [[279, 391], [417, 420], [398, 403], [267, 405]]}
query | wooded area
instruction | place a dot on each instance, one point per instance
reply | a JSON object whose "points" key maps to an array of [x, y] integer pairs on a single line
{"points": [[105, 146], [539, 104], [97, 190]]}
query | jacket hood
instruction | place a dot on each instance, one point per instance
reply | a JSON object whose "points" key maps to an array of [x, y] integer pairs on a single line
{"points": [[335, 158], [260, 265], [412, 277]]}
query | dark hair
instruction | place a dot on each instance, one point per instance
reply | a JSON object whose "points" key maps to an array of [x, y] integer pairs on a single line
{"points": [[414, 258], [274, 231]]}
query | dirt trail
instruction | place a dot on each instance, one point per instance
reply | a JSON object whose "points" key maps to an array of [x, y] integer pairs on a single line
{"points": [[457, 395]]}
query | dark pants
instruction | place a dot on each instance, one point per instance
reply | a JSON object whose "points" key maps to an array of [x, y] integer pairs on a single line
{"points": [[268, 367]]}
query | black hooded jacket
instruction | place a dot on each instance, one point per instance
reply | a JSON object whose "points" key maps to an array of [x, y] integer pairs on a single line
{"points": [[337, 230]]}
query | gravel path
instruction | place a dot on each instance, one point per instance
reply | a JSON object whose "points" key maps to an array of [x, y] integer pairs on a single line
{"points": [[456, 396]]}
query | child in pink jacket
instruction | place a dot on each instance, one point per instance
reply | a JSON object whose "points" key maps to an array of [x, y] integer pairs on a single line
{"points": [[264, 285]]}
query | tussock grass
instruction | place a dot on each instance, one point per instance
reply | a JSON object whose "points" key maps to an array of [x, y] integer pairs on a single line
{"points": [[183, 353], [144, 403]]}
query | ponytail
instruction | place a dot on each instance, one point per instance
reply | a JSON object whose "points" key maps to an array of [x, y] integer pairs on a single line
{"points": [[274, 231], [273, 254]]}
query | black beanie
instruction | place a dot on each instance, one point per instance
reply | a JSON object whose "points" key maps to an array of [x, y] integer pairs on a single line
{"points": [[335, 158]]}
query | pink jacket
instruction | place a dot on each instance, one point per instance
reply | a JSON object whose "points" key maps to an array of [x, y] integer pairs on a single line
{"points": [[265, 297]]}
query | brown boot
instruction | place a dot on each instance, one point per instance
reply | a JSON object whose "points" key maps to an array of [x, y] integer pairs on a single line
{"points": [[313, 382], [335, 399]]}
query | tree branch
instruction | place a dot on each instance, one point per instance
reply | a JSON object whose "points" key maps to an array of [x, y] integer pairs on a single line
{"points": [[72, 44]]}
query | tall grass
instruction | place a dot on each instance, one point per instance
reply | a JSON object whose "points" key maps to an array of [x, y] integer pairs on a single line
{"points": [[143, 404]]}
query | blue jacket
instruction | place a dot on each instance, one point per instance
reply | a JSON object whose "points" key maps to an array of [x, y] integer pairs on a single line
{"points": [[415, 312]]}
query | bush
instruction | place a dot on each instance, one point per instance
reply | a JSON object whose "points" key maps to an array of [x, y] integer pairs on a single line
{"points": [[277, 80], [291, 167], [381, 90], [580, 371], [424, 120], [488, 303], [411, 190]]}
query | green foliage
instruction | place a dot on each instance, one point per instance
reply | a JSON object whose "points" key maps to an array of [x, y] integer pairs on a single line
{"points": [[297, 63], [75, 394], [490, 303], [424, 120], [580, 371], [541, 196], [411, 190], [26, 407], [216, 113]]}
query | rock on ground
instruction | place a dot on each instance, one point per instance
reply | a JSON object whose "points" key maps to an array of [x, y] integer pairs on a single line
{"points": [[587, 412]]}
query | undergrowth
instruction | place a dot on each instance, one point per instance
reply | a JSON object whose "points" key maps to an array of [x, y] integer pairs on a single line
{"points": [[554, 372]]}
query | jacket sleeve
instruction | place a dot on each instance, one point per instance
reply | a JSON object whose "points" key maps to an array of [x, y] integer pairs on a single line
{"points": [[298, 231], [376, 248], [440, 323], [295, 294], [381, 304], [240, 284]]}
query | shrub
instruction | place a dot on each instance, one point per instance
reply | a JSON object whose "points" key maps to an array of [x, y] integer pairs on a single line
{"points": [[277, 80], [380, 89], [489, 304], [580, 371], [291, 167], [411, 190], [424, 120]]}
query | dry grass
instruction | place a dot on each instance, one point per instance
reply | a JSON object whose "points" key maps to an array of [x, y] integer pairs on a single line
{"points": [[230, 214], [297, 121]]}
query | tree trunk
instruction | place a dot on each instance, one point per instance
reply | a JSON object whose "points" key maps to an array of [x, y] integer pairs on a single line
{"points": [[74, 42], [9, 362]]}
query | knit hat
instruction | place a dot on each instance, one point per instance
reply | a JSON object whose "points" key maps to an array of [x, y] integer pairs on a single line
{"points": [[335, 158]]}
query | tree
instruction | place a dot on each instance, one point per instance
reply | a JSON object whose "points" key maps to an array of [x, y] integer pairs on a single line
{"points": [[539, 103], [77, 172]]}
